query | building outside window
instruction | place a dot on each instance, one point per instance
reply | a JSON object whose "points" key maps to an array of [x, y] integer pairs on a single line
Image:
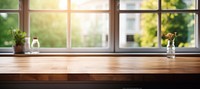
{"points": [[131, 6]]}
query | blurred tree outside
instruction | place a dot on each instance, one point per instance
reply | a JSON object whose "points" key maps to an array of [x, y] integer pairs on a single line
{"points": [[75, 34], [9, 4], [182, 23], [94, 37], [51, 28], [8, 21], [86, 34]]}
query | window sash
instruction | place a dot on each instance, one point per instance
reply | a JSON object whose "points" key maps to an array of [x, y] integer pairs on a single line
{"points": [[69, 11], [160, 48]]}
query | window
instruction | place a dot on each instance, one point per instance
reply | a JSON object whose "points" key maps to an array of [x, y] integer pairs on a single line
{"points": [[139, 27], [134, 26], [70, 26], [184, 24], [157, 20], [49, 26]]}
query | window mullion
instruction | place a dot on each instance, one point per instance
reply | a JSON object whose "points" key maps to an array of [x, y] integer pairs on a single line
{"points": [[159, 24], [21, 21], [22, 15], [25, 17], [117, 36], [69, 24], [197, 27], [112, 21]]}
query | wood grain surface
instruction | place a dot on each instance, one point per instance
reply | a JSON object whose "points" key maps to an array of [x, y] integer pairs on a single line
{"points": [[107, 65], [99, 68]]}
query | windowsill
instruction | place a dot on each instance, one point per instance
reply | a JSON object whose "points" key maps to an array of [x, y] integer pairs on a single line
{"points": [[99, 54]]}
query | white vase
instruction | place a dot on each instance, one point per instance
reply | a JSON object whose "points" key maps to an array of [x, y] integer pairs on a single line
{"points": [[27, 48]]}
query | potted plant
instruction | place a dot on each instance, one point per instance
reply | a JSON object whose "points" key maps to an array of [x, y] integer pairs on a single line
{"points": [[18, 40]]}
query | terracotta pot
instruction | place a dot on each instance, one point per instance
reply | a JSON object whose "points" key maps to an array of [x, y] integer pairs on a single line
{"points": [[19, 49]]}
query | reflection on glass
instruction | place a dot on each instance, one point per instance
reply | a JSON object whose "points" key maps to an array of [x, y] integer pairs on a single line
{"points": [[90, 4], [8, 21], [50, 28], [178, 4], [138, 30], [48, 4], [89, 30], [9, 4], [138, 4], [183, 24]]}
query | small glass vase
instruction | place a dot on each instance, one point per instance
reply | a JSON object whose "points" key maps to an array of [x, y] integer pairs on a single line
{"points": [[35, 46], [27, 48], [171, 49]]}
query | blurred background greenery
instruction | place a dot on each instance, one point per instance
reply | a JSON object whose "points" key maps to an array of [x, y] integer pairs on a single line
{"points": [[8, 21], [182, 23]]}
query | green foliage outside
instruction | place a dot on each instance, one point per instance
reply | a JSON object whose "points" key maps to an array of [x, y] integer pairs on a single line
{"points": [[44, 4], [50, 28], [9, 4], [8, 21], [182, 23], [93, 37]]}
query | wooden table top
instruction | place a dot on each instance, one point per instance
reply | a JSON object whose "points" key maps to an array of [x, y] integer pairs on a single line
{"points": [[99, 65]]}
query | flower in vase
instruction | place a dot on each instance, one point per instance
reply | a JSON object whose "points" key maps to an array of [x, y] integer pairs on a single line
{"points": [[171, 36]]}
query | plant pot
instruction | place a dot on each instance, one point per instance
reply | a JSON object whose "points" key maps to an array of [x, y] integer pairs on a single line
{"points": [[19, 49]]}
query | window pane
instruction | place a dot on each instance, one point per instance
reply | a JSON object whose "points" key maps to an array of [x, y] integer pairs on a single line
{"points": [[138, 4], [90, 30], [90, 4], [48, 4], [135, 30], [7, 21], [9, 4], [178, 4], [183, 24], [50, 28]]}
